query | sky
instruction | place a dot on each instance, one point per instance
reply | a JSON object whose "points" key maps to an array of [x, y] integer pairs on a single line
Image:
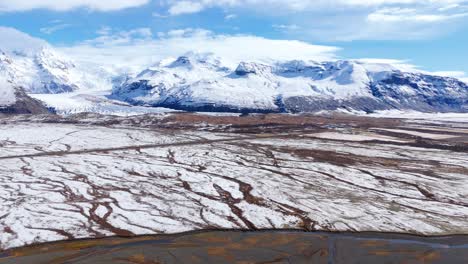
{"points": [[429, 34]]}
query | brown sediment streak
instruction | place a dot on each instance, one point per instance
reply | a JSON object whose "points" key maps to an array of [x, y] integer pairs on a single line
{"points": [[99, 195], [58, 231], [227, 198]]}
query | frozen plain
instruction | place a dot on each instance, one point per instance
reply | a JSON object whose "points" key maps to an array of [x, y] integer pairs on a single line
{"points": [[89, 176]]}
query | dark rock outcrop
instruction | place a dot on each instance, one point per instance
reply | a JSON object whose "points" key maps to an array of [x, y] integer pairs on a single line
{"points": [[25, 105]]}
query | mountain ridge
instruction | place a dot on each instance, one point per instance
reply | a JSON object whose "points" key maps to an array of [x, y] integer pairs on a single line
{"points": [[204, 82], [194, 84]]}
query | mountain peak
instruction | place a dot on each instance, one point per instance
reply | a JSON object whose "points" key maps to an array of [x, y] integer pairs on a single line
{"points": [[48, 58], [193, 61], [4, 58], [246, 68], [182, 61]]}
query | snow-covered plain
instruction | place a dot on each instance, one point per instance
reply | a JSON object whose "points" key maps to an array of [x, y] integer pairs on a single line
{"points": [[412, 115], [65, 181], [421, 134]]}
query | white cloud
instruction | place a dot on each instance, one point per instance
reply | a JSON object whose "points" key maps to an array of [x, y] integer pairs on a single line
{"points": [[136, 49], [282, 27], [51, 29], [108, 36], [19, 42], [230, 17], [158, 15], [455, 74], [390, 15], [64, 5], [193, 6], [463, 76], [448, 7], [104, 30], [186, 7], [404, 65], [346, 20]]}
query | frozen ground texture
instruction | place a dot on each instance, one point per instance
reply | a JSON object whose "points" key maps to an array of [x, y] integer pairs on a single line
{"points": [[91, 176]]}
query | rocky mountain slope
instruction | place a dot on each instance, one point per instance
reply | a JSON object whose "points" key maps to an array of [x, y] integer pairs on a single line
{"points": [[14, 100], [204, 83]]}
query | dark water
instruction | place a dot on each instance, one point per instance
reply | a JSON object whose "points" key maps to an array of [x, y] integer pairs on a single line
{"points": [[249, 247]]}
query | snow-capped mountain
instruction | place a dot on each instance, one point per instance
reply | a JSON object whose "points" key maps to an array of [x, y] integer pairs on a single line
{"points": [[13, 99], [29, 72], [204, 83], [47, 72], [200, 82], [42, 72]]}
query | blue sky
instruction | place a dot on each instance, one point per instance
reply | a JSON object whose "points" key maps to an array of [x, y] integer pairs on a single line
{"points": [[430, 34]]}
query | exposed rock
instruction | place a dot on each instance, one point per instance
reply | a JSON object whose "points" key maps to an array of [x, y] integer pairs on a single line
{"points": [[24, 105]]}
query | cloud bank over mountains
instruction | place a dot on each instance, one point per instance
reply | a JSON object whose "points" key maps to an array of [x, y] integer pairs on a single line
{"points": [[138, 48], [141, 47], [17, 41]]}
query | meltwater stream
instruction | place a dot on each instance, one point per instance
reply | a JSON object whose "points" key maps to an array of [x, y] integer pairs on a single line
{"points": [[249, 247]]}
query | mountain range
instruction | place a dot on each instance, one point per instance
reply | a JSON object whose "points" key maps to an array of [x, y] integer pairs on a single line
{"points": [[204, 82]]}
